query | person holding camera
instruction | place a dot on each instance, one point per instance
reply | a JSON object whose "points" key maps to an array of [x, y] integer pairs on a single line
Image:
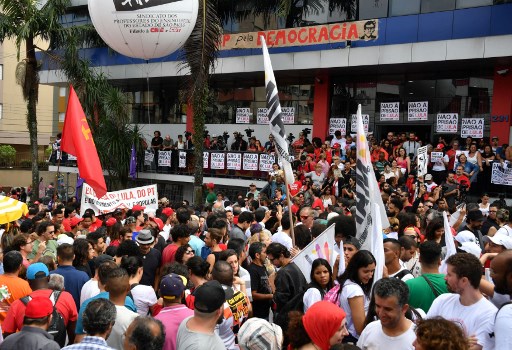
{"points": [[239, 144]]}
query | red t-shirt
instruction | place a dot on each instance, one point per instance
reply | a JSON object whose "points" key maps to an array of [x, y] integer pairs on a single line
{"points": [[318, 204], [169, 254], [295, 188]]}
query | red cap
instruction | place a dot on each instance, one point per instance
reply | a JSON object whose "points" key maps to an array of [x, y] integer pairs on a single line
{"points": [[66, 224], [111, 222], [75, 220], [336, 145], [36, 202], [138, 207], [167, 211], [440, 146], [159, 223], [210, 185], [39, 307]]}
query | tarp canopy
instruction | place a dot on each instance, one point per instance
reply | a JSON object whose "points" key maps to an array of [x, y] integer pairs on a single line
{"points": [[11, 209]]}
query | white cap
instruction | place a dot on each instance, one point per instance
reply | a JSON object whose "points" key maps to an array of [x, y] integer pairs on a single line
{"points": [[332, 215], [500, 239], [465, 236], [471, 248], [63, 238]]}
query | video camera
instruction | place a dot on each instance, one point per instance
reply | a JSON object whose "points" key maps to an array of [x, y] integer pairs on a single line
{"points": [[225, 136], [290, 138], [249, 132], [306, 132], [205, 133]]}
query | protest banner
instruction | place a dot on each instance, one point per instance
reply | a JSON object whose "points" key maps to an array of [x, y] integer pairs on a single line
{"points": [[147, 196], [206, 156], [417, 111], [234, 161], [243, 115], [447, 122], [473, 127], [336, 124], [148, 157], [389, 111], [262, 116], [288, 115], [250, 161], [366, 122], [217, 161], [321, 247], [422, 160], [71, 157], [501, 174], [436, 157], [266, 161], [183, 159], [164, 158]]}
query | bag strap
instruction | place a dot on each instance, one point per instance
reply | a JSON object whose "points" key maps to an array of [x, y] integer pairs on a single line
{"points": [[436, 293], [56, 294]]}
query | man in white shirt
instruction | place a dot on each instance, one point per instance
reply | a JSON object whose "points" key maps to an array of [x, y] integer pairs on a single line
{"points": [[411, 146], [501, 274], [392, 250], [392, 330], [429, 183], [338, 139], [466, 305]]}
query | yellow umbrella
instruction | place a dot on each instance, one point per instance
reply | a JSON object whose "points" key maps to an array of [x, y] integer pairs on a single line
{"points": [[11, 209]]}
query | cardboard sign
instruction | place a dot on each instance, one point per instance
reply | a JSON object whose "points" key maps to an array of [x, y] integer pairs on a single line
{"points": [[262, 116], [243, 115], [288, 115], [389, 111], [422, 160], [436, 157], [164, 158], [234, 161], [266, 161], [336, 124], [417, 111], [473, 127], [183, 159], [146, 196], [366, 122], [447, 122], [148, 157], [217, 161], [206, 156], [250, 161], [501, 174]]}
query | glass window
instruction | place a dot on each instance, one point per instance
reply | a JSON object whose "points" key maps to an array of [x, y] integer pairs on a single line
{"points": [[369, 9], [1, 72], [62, 92], [158, 106], [461, 4], [404, 7], [62, 117], [437, 5], [1, 110]]}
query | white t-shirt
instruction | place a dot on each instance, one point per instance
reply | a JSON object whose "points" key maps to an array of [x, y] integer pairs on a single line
{"points": [[283, 238], [144, 297], [311, 296], [89, 290], [123, 319], [476, 319], [374, 338], [351, 290], [505, 230], [503, 328], [499, 299]]}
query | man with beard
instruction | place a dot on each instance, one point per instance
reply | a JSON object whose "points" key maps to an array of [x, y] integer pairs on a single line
{"points": [[501, 274], [466, 305]]}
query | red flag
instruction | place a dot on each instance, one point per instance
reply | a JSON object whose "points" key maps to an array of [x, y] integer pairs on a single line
{"points": [[77, 140]]}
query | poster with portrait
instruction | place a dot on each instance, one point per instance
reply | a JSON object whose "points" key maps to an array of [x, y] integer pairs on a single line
{"points": [[501, 173], [422, 160], [183, 159]]}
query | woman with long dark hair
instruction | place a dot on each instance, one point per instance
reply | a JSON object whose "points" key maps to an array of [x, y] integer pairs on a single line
{"points": [[198, 269], [321, 282], [84, 252], [143, 296]]}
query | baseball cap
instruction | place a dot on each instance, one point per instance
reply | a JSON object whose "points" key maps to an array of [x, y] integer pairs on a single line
{"points": [[167, 212], [428, 177], [74, 221], [440, 146], [145, 237], [138, 207], [500, 239], [64, 238], [37, 270], [39, 307], [158, 222], [465, 236], [471, 248], [209, 297], [111, 222], [252, 185], [172, 286], [475, 215], [100, 259]]}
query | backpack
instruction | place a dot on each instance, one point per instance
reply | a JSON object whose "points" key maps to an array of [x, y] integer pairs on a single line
{"points": [[57, 328], [130, 295], [402, 274]]}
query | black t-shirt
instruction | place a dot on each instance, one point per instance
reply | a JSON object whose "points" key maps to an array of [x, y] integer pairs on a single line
{"points": [[157, 141], [150, 264], [259, 284]]}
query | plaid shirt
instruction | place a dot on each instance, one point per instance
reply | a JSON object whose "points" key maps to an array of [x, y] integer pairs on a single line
{"points": [[90, 343]]}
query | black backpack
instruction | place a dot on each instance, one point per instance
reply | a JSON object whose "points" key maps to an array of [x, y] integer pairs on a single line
{"points": [[57, 328]]}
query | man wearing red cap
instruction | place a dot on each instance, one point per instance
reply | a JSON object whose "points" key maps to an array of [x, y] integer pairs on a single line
{"points": [[34, 335]]}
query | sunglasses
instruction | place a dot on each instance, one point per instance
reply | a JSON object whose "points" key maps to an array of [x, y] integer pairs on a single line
{"points": [[302, 217], [189, 252]]}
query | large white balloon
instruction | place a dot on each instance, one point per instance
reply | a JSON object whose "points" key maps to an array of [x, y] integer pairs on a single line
{"points": [[144, 28]]}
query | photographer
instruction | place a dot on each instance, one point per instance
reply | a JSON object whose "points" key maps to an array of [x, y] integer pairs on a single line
{"points": [[306, 165], [270, 145], [239, 144], [450, 190], [218, 143]]}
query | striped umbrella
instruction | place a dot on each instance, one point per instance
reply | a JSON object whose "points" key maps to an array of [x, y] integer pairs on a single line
{"points": [[11, 209]]}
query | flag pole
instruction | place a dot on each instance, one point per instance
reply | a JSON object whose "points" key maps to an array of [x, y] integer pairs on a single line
{"points": [[290, 214]]}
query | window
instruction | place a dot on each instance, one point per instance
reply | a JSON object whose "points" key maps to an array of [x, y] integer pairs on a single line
{"points": [[404, 7], [461, 4], [369, 9], [1, 72], [62, 92], [1, 110], [62, 116], [437, 5]]}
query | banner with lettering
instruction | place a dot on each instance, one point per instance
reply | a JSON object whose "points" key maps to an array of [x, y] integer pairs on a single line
{"points": [[164, 158], [501, 174], [417, 111], [234, 161], [206, 156], [336, 124], [266, 161], [217, 161], [147, 196], [447, 123], [473, 127], [288, 115], [148, 157], [183, 159], [366, 122], [250, 161], [262, 116], [243, 115], [389, 111]]}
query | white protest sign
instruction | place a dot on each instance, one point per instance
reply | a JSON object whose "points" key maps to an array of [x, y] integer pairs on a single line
{"points": [[436, 157], [501, 175], [288, 115], [473, 127], [266, 161], [183, 159], [217, 161], [164, 158], [206, 156], [234, 161], [366, 122], [146, 196], [148, 157], [262, 116], [447, 122], [71, 157], [422, 160], [250, 161], [243, 115], [417, 111], [336, 124], [389, 111]]}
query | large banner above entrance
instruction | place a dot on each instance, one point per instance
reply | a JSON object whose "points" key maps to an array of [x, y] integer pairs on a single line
{"points": [[321, 34]]}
